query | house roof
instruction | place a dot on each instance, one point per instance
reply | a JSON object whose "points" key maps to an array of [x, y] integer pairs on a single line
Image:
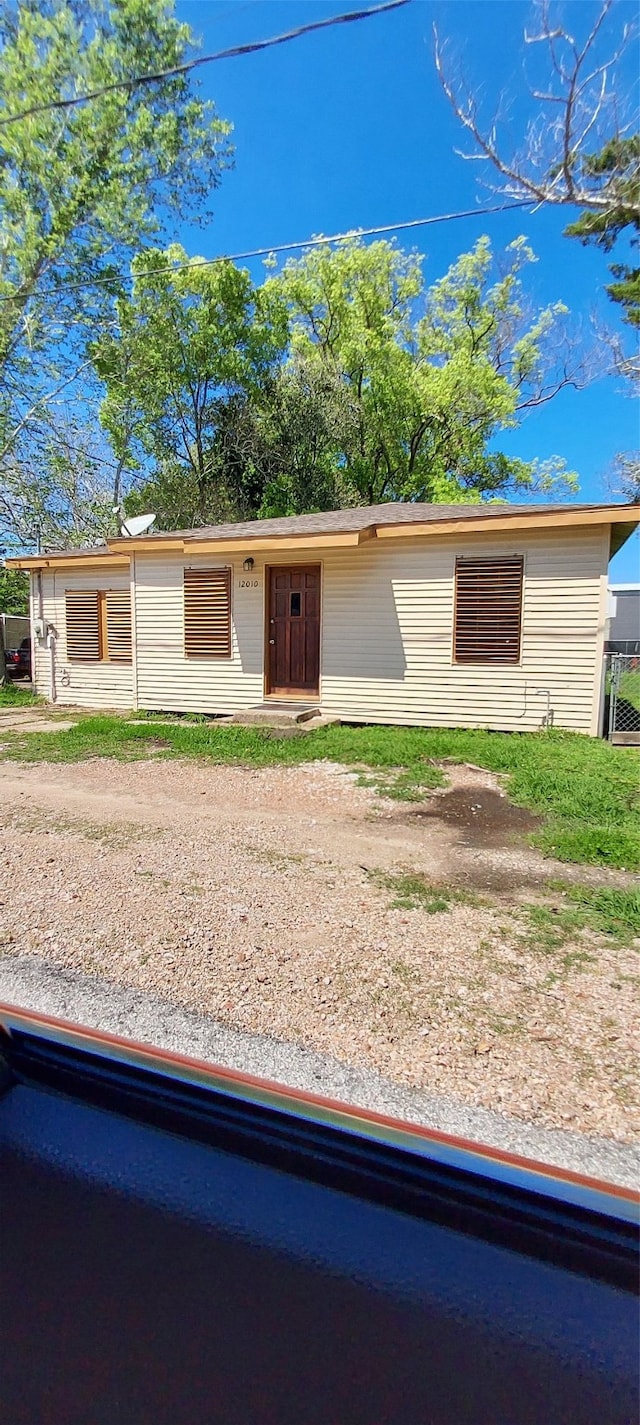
{"points": [[363, 517], [338, 521], [346, 527]]}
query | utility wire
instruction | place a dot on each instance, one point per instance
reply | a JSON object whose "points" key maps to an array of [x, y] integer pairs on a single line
{"points": [[251, 48], [195, 263]]}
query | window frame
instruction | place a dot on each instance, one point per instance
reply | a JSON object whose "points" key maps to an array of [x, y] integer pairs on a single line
{"points": [[483, 661], [104, 653]]}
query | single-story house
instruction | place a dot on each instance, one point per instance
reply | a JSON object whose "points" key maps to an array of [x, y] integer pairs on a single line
{"points": [[489, 615]]}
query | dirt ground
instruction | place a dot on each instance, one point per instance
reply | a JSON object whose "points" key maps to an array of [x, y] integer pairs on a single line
{"points": [[266, 899]]}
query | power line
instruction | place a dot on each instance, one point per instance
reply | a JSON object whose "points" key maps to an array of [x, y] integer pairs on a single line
{"points": [[195, 263], [237, 50]]}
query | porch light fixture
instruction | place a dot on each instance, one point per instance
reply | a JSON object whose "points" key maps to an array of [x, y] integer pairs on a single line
{"points": [[248, 564]]}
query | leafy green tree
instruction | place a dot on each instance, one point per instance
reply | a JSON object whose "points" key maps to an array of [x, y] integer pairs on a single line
{"points": [[305, 420], [193, 343], [617, 169], [431, 374], [14, 592], [82, 188], [389, 390], [272, 453]]}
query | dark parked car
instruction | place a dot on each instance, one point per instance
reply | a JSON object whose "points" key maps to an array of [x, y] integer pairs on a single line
{"points": [[18, 660]]}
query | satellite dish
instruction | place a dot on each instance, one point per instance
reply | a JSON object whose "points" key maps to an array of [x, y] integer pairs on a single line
{"points": [[138, 524]]}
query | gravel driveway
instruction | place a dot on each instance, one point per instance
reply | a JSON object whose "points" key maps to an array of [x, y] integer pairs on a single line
{"points": [[133, 1014], [260, 899]]}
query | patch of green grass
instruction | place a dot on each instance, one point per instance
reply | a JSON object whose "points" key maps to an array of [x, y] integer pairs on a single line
{"points": [[611, 911], [414, 892], [505, 1026], [12, 695], [281, 860], [607, 845], [603, 910], [629, 687], [588, 791], [153, 876], [115, 835], [547, 929], [407, 973], [406, 784]]}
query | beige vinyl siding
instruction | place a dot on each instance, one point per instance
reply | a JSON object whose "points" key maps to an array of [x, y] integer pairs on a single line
{"points": [[166, 678], [92, 685], [410, 613], [387, 631]]}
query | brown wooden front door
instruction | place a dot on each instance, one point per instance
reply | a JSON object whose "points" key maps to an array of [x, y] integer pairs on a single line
{"points": [[293, 631]]}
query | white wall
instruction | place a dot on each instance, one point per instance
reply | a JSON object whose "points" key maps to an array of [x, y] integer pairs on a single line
{"points": [[93, 685], [387, 626]]}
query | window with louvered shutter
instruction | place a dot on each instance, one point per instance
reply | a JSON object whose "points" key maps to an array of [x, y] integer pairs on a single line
{"points": [[207, 613], [118, 621], [488, 610], [83, 625]]}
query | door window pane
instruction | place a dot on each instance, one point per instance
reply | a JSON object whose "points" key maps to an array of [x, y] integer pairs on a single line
{"points": [[295, 604]]}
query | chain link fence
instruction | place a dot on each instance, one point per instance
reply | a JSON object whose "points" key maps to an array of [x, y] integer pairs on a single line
{"points": [[622, 698]]}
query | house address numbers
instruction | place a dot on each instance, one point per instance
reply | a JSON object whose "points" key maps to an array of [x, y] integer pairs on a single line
{"points": [[248, 583]]}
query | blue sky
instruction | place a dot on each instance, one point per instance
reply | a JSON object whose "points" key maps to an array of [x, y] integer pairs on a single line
{"points": [[349, 128]]}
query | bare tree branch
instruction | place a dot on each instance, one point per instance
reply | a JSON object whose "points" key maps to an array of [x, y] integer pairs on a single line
{"points": [[37, 407], [579, 106]]}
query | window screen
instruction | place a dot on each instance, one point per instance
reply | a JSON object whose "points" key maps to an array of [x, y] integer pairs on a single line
{"points": [[207, 613], [83, 625], [118, 622], [488, 610]]}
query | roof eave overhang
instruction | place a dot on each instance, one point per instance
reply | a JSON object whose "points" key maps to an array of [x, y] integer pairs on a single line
{"points": [[34, 562], [552, 519], [120, 550], [268, 543], [621, 532]]}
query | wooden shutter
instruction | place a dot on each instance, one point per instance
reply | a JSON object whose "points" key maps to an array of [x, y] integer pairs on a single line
{"points": [[207, 613], [82, 609], [118, 605], [488, 610]]}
